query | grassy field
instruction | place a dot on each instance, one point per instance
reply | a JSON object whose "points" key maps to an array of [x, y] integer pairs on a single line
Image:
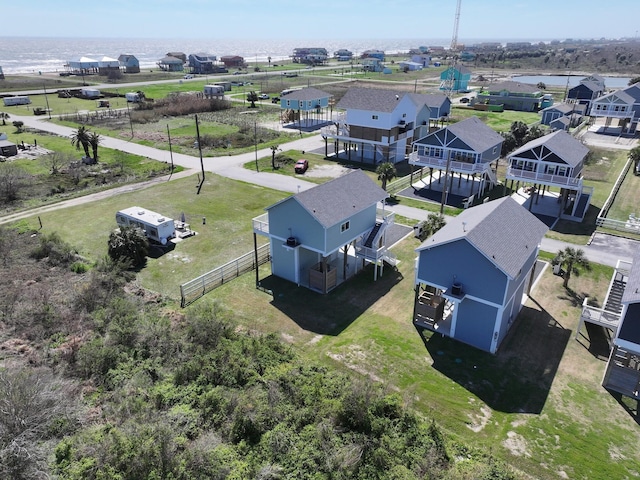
{"points": [[538, 404], [499, 121]]}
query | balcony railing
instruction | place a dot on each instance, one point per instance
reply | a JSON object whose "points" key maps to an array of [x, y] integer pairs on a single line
{"points": [[441, 163], [599, 316], [261, 224], [536, 177], [611, 113]]}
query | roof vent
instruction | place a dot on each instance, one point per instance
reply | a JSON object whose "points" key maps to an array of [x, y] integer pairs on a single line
{"points": [[464, 226], [397, 97]]}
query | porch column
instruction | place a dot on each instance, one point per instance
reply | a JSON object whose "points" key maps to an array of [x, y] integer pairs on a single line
{"points": [[326, 147], [255, 257]]}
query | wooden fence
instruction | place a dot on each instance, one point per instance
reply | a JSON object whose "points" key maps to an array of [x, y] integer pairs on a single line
{"points": [[196, 288]]}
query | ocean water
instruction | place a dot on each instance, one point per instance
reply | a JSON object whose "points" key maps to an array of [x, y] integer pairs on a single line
{"points": [[42, 54], [46, 54]]}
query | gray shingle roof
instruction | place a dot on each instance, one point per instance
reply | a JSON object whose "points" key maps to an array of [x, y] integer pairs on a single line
{"points": [[505, 232], [476, 134], [561, 143], [512, 87], [340, 198], [432, 100], [591, 85], [371, 99], [309, 93], [632, 289]]}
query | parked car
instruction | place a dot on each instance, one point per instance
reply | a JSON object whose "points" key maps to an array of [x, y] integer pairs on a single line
{"points": [[263, 96], [464, 100], [188, 76], [275, 100], [301, 166]]}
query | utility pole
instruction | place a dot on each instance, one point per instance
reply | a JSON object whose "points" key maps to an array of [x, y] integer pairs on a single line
{"points": [[200, 150], [171, 150]]}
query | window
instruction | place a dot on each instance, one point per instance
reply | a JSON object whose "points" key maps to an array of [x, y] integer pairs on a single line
{"points": [[374, 117], [495, 149], [344, 227]]}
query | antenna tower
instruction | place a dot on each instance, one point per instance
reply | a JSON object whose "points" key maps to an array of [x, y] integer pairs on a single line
{"points": [[456, 23]]}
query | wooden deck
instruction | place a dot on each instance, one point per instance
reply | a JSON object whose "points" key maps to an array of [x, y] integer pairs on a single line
{"points": [[623, 373]]}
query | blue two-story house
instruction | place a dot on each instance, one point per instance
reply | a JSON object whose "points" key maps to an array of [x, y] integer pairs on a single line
{"points": [[467, 147], [473, 275], [310, 104], [323, 236]]}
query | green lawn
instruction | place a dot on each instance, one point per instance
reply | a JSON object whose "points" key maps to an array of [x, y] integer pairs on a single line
{"points": [[499, 121]]}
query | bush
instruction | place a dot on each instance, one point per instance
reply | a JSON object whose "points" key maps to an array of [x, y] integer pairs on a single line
{"points": [[55, 250], [129, 243]]}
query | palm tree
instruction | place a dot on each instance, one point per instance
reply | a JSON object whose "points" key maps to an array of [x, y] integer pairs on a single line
{"points": [[94, 141], [571, 258], [434, 222], [4, 116], [80, 138], [386, 171], [253, 98], [274, 149]]}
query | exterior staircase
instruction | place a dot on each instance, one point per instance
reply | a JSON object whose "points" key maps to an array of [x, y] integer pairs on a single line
{"points": [[372, 235], [390, 258], [614, 298], [493, 179]]}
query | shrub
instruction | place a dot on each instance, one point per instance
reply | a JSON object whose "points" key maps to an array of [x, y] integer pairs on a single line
{"points": [[129, 243]]}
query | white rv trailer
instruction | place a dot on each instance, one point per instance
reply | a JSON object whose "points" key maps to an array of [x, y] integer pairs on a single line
{"points": [[17, 100], [155, 226]]}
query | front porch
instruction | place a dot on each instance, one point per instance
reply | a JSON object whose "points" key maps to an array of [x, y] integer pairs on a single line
{"points": [[432, 311]]}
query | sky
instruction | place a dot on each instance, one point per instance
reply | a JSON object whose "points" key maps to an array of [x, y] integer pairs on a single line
{"points": [[340, 19]]}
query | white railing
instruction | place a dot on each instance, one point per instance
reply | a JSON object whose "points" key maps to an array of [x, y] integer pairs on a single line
{"points": [[261, 224], [610, 113], [600, 317], [524, 175], [441, 163]]}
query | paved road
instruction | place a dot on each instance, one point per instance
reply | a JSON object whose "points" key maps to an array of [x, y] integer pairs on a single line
{"points": [[604, 249]]}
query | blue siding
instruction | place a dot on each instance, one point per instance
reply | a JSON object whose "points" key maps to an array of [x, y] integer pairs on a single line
{"points": [[282, 261], [358, 224], [475, 323], [525, 272], [290, 215], [479, 277], [491, 155]]}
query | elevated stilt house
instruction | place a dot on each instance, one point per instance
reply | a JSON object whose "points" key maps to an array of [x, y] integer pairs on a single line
{"points": [[323, 236], [474, 274]]}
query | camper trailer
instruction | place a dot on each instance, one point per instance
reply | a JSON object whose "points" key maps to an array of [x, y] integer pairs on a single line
{"points": [[17, 100], [90, 92], [214, 91], [133, 97], [155, 226]]}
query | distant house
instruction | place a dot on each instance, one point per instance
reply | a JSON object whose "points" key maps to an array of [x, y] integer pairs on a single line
{"points": [[8, 149], [82, 66], [321, 237], [232, 61], [202, 63], [181, 55], [409, 66], [455, 78], [107, 65], [572, 113], [310, 55], [379, 125], [555, 160], [171, 64], [379, 54], [311, 105], [130, 63], [512, 95], [621, 106], [474, 274], [343, 55], [466, 147], [421, 58], [372, 65], [586, 92], [621, 313]]}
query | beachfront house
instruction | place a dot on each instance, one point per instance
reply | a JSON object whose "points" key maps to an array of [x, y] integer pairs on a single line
{"points": [[202, 63], [421, 58], [311, 107], [378, 125], [555, 160], [474, 274], [456, 78], [129, 63], [323, 236], [513, 95], [622, 107], [108, 66], [171, 64], [343, 55], [467, 147], [373, 53], [82, 66], [235, 61], [310, 55]]}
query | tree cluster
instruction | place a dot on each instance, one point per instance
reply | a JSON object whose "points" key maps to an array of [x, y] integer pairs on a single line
{"points": [[518, 135]]}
